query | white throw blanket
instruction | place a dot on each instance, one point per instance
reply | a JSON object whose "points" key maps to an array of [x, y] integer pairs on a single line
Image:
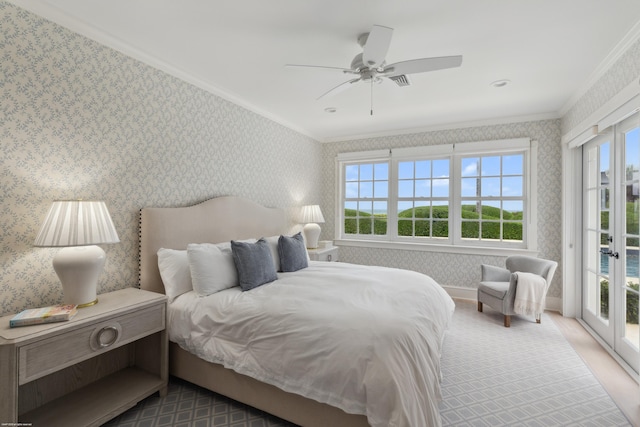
{"points": [[364, 339], [529, 294]]}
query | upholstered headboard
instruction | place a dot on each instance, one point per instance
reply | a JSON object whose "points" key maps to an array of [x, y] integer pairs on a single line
{"points": [[213, 221]]}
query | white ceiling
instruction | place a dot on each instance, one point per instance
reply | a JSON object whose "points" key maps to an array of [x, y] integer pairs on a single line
{"points": [[551, 50]]}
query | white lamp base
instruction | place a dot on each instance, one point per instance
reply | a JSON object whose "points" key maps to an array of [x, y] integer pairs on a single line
{"points": [[78, 268], [311, 234]]}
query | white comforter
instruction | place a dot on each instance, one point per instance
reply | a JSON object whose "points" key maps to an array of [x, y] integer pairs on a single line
{"points": [[364, 339]]}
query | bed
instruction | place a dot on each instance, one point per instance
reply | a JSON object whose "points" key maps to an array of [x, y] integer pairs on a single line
{"points": [[379, 383]]}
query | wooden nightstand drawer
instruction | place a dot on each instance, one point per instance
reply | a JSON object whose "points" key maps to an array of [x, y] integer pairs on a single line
{"points": [[49, 355]]}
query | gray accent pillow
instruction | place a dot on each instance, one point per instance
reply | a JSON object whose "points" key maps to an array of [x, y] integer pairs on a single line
{"points": [[293, 253], [254, 263]]}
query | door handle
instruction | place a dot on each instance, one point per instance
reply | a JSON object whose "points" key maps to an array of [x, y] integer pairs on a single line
{"points": [[607, 251]]}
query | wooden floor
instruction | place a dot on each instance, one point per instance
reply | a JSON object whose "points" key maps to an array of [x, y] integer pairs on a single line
{"points": [[623, 389]]}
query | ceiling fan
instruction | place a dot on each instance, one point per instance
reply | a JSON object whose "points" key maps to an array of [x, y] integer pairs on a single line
{"points": [[370, 65]]}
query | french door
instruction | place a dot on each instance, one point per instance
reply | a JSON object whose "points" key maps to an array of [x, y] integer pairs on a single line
{"points": [[611, 198]]}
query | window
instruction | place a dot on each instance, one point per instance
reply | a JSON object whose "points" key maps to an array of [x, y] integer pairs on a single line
{"points": [[492, 197], [366, 197], [423, 198], [472, 194]]}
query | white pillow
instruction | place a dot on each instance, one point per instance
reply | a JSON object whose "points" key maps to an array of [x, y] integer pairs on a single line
{"points": [[174, 270], [273, 247], [212, 268]]}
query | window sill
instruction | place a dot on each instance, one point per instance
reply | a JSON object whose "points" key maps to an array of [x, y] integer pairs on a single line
{"points": [[446, 248]]}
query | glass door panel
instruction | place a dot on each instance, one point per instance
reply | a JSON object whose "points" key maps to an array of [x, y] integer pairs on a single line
{"points": [[611, 224], [597, 271], [627, 342]]}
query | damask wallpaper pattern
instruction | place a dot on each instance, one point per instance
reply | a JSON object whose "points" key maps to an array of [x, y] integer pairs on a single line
{"points": [[80, 120], [456, 270]]}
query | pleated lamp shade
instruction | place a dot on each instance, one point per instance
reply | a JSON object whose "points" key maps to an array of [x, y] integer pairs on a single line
{"points": [[77, 226]]}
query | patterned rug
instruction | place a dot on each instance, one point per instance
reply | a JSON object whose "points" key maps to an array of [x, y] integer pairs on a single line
{"points": [[527, 375]]}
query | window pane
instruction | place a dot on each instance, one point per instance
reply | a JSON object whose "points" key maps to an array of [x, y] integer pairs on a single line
{"points": [[381, 171], [405, 170], [351, 190], [512, 186], [405, 227], [380, 189], [366, 189], [364, 225], [470, 230], [512, 165], [491, 210], [440, 188], [470, 166], [405, 188], [512, 209], [365, 208], [422, 210], [470, 187], [440, 229], [441, 168], [404, 206], [351, 173], [470, 210], [350, 208], [490, 166], [491, 230], [512, 231], [422, 228], [423, 169], [423, 188], [350, 226], [366, 172], [490, 187], [380, 208], [380, 226], [440, 210]]}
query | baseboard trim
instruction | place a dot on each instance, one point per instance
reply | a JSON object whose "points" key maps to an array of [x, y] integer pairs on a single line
{"points": [[462, 293]]}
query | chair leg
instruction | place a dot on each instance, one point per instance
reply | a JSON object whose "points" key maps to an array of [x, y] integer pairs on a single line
{"points": [[507, 321], [538, 318], [479, 306]]}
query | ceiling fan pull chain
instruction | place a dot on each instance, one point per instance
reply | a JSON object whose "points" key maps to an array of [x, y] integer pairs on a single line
{"points": [[372, 96]]}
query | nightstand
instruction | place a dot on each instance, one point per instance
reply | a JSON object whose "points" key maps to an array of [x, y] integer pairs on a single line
{"points": [[324, 254], [89, 369]]}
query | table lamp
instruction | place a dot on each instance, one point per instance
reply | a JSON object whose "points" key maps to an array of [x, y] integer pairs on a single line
{"points": [[77, 226], [311, 215]]}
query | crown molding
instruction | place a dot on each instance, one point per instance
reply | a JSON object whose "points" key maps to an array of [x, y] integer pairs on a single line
{"points": [[632, 37]]}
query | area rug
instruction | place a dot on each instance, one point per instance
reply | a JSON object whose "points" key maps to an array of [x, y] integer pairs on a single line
{"points": [[525, 375]]}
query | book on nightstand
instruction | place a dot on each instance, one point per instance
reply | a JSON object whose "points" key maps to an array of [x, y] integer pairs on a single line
{"points": [[37, 316]]}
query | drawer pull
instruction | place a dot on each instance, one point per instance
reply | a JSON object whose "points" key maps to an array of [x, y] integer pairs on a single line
{"points": [[115, 331]]}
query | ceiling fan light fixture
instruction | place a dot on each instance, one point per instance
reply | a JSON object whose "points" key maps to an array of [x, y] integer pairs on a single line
{"points": [[500, 83]]}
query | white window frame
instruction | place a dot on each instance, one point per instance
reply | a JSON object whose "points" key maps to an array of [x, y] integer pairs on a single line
{"points": [[454, 152]]}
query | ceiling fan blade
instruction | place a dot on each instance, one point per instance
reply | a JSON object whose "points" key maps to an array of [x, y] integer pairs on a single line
{"points": [[376, 46], [344, 70], [422, 65], [341, 87]]}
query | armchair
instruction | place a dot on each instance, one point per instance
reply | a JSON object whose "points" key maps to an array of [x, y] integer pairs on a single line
{"points": [[498, 285]]}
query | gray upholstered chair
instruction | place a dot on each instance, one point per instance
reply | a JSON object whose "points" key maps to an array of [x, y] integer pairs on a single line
{"points": [[498, 285]]}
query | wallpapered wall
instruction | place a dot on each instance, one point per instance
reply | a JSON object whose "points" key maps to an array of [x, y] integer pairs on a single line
{"points": [[79, 120], [457, 270]]}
